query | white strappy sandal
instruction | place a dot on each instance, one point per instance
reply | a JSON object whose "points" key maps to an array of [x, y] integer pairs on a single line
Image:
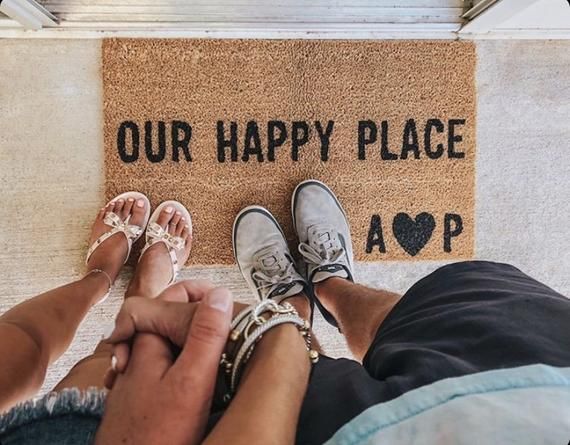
{"points": [[156, 234], [131, 232]]}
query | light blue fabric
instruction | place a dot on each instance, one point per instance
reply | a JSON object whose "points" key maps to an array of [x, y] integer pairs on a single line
{"points": [[524, 406]]}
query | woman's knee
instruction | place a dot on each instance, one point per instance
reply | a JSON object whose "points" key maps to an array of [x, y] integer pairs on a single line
{"points": [[24, 372]]}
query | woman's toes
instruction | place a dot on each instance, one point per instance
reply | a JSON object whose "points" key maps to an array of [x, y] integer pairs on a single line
{"points": [[138, 211], [119, 204], [180, 227], [174, 223], [110, 207], [101, 213], [186, 234], [165, 216], [127, 208]]}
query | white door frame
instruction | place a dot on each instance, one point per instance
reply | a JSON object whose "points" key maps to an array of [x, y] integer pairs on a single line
{"points": [[489, 14], [28, 13], [482, 22]]}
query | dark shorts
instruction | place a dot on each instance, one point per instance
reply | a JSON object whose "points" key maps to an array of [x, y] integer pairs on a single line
{"points": [[461, 319]]}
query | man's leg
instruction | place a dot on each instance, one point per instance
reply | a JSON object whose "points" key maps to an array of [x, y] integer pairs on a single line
{"points": [[151, 277], [358, 310], [326, 248]]}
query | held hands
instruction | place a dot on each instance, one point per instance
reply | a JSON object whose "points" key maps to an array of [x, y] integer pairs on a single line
{"points": [[157, 397]]}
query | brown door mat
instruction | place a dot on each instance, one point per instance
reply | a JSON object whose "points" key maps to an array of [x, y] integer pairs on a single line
{"points": [[222, 124]]}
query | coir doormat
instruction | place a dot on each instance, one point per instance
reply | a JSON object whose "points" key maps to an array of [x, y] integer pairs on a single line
{"points": [[222, 124]]}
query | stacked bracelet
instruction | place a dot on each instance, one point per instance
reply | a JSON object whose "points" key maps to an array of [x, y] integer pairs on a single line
{"points": [[247, 328]]}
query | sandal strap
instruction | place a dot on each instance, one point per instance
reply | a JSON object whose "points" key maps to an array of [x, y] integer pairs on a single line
{"points": [[156, 234], [131, 232]]}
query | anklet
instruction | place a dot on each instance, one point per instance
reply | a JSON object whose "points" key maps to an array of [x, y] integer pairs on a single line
{"points": [[106, 275]]}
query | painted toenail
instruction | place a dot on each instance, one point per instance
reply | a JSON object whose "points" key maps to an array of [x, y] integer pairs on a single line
{"points": [[178, 213], [140, 203], [130, 199], [168, 209]]}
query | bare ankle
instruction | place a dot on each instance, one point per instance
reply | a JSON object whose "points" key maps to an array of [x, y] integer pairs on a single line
{"points": [[141, 287], [147, 286], [329, 290], [301, 304], [98, 284], [151, 276]]}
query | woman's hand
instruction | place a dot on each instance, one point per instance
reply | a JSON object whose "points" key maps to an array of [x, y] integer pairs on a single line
{"points": [[160, 399], [169, 315]]}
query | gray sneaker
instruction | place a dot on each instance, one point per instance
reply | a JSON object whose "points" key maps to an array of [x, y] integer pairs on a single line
{"points": [[263, 256], [324, 235]]}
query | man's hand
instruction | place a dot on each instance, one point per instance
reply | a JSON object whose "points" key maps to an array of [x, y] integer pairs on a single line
{"points": [[169, 316], [159, 399]]}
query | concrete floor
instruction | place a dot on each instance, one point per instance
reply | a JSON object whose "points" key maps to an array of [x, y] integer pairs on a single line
{"points": [[51, 175]]}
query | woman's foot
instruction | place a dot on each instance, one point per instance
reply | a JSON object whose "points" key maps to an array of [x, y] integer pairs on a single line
{"points": [[154, 270], [111, 254]]}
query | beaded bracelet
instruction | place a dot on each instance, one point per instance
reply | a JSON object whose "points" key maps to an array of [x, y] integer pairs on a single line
{"points": [[247, 329]]}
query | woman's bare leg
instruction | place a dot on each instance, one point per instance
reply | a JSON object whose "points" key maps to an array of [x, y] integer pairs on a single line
{"points": [[35, 333], [264, 411], [358, 310], [151, 277]]}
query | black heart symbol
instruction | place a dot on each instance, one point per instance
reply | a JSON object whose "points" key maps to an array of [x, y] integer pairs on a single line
{"points": [[413, 235]]}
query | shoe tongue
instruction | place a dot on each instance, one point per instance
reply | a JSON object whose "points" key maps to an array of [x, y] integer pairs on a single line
{"points": [[332, 270], [322, 237], [269, 260]]}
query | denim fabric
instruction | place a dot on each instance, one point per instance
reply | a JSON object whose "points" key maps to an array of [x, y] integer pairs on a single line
{"points": [[68, 417]]}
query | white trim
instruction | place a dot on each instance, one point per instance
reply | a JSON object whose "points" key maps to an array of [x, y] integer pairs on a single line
{"points": [[491, 18], [8, 30], [301, 19], [85, 5], [236, 13], [520, 34], [243, 30], [266, 25], [28, 13], [478, 9]]}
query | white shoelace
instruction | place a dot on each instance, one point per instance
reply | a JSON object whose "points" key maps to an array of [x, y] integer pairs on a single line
{"points": [[326, 252], [273, 277], [273, 281]]}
